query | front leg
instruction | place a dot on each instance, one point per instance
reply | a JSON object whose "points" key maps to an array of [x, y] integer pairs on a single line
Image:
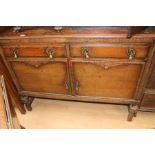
{"points": [[133, 109], [27, 100]]}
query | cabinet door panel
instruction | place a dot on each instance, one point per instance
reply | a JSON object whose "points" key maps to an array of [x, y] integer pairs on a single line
{"points": [[97, 79], [151, 81], [45, 76]]}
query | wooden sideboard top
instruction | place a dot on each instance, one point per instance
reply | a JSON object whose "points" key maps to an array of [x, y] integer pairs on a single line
{"points": [[11, 32]]}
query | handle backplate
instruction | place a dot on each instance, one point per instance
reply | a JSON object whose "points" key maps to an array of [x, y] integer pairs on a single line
{"points": [[50, 52], [15, 53], [131, 53], [85, 52]]}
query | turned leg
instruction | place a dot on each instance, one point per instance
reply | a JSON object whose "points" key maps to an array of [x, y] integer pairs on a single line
{"points": [[133, 109], [135, 113], [22, 127], [27, 100]]}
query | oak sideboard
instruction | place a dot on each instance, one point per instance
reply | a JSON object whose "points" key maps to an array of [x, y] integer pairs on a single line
{"points": [[93, 64]]}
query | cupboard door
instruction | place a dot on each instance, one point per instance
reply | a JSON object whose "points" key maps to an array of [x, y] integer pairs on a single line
{"points": [[151, 80], [105, 79], [42, 76], [148, 100]]}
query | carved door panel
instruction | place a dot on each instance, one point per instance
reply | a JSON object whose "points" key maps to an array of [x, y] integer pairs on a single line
{"points": [[42, 76], [105, 79]]}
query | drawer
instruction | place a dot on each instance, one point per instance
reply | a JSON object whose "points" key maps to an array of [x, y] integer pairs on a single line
{"points": [[51, 51], [108, 51], [148, 101]]}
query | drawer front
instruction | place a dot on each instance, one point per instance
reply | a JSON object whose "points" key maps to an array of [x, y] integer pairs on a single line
{"points": [[106, 80], [148, 101], [108, 51], [52, 51]]}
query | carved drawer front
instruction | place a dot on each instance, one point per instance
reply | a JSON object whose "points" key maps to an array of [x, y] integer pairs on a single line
{"points": [[108, 51], [101, 79], [44, 76], [148, 101], [51, 52]]}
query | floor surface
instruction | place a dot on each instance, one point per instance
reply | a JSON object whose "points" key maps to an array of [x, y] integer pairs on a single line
{"points": [[68, 114]]}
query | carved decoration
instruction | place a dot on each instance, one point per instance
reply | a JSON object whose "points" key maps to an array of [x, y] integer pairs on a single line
{"points": [[58, 28], [35, 64], [106, 65], [135, 30], [17, 28]]}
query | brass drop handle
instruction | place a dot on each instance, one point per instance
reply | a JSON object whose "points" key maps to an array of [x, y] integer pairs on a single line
{"points": [[131, 53], [50, 52], [85, 52], [76, 86], [15, 53]]}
